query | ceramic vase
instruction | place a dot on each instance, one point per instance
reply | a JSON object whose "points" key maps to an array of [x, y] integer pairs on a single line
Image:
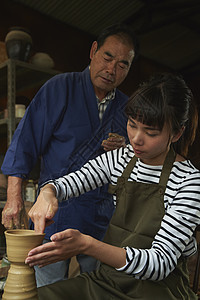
{"points": [[20, 283], [18, 43]]}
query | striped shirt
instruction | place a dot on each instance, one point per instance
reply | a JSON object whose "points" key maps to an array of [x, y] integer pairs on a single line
{"points": [[181, 202]]}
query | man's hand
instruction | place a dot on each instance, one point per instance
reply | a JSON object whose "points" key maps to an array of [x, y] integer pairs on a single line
{"points": [[114, 141], [44, 208], [11, 214]]}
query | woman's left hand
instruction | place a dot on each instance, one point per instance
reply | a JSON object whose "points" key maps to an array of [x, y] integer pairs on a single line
{"points": [[63, 245]]}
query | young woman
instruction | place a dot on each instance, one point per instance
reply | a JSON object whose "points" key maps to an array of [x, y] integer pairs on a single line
{"points": [[145, 250]]}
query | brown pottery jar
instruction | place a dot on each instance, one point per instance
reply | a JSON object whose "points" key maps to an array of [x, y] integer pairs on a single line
{"points": [[18, 43]]}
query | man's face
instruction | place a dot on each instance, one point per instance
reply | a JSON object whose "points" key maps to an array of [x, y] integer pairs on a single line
{"points": [[110, 64]]}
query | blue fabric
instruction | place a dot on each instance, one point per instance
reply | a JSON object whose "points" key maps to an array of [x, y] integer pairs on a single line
{"points": [[62, 127]]}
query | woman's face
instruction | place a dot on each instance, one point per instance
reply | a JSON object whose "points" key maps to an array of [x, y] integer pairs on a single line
{"points": [[149, 143]]}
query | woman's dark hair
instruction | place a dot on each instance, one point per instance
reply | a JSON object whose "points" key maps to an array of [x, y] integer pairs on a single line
{"points": [[166, 98], [122, 31]]}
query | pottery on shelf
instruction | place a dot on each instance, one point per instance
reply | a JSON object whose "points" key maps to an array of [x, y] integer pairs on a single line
{"points": [[42, 60], [18, 43], [20, 283]]}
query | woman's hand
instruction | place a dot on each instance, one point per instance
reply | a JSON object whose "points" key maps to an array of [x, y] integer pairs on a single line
{"points": [[114, 141], [63, 245], [71, 242], [44, 209]]}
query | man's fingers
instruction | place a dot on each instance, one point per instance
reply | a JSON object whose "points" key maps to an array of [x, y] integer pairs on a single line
{"points": [[10, 222], [16, 222]]}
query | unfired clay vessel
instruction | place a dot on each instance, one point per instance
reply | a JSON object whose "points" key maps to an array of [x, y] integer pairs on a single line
{"points": [[20, 283]]}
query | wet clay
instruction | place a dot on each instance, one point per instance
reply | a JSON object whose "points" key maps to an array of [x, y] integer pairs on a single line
{"points": [[20, 283]]}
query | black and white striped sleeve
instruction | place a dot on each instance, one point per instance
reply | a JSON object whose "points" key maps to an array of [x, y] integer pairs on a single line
{"points": [[104, 169]]}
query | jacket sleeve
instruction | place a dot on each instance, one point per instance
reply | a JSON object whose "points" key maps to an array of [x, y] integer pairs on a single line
{"points": [[35, 129]]}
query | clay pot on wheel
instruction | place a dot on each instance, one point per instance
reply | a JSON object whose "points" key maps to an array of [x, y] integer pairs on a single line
{"points": [[18, 43], [20, 283]]}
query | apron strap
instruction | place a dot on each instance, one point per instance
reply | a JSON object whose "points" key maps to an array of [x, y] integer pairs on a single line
{"points": [[167, 166], [127, 171], [125, 175]]}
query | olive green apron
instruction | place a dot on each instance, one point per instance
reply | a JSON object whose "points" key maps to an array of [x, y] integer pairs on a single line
{"points": [[137, 219]]}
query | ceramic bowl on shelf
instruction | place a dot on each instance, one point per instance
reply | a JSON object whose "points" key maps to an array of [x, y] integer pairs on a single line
{"points": [[42, 60]]}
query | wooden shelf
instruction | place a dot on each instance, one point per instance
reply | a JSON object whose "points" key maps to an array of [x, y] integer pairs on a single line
{"points": [[27, 75], [16, 76]]}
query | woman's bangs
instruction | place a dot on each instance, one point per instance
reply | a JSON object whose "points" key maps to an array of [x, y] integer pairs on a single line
{"points": [[145, 111]]}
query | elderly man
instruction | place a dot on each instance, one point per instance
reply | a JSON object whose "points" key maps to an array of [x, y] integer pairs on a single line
{"points": [[74, 117]]}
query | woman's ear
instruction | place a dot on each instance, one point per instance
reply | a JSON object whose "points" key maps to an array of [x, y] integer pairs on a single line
{"points": [[176, 137], [93, 49]]}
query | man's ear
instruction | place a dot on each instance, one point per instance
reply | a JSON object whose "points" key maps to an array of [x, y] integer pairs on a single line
{"points": [[93, 49], [178, 135]]}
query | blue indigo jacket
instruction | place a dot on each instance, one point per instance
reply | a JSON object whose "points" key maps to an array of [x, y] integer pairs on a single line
{"points": [[61, 126]]}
